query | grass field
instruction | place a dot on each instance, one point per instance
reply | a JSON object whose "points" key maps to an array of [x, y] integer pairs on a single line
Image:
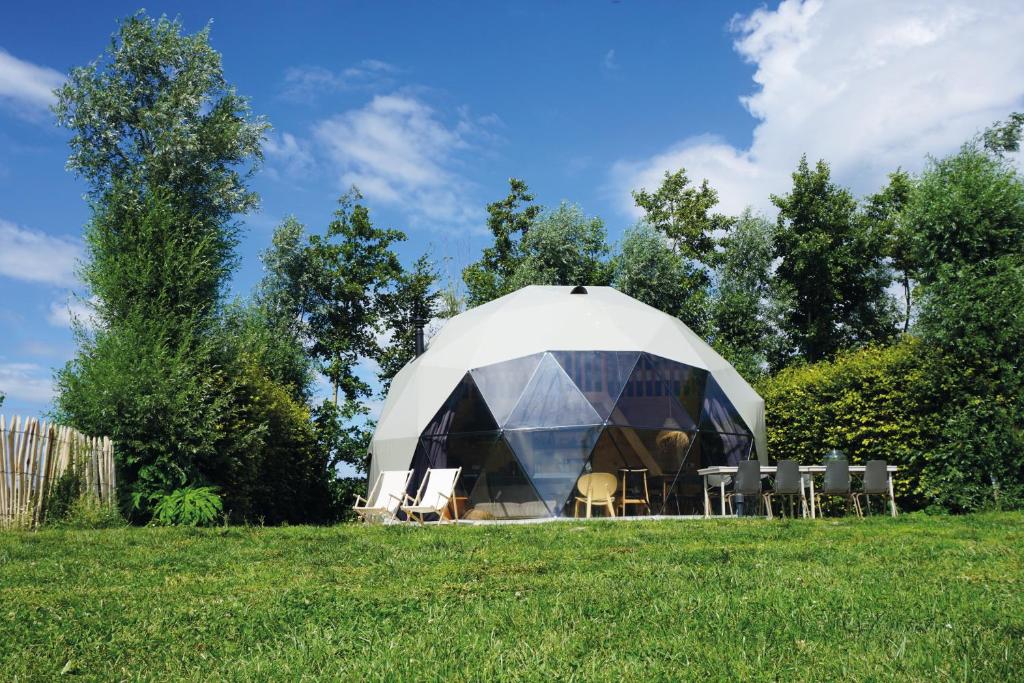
{"points": [[917, 598]]}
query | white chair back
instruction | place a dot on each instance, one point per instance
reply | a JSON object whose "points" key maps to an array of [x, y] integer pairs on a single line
{"points": [[440, 487], [391, 487]]}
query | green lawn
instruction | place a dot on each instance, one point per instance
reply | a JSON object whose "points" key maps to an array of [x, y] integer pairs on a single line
{"points": [[916, 598]]}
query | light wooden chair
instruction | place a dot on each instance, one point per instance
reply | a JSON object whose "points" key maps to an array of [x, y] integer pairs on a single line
{"points": [[596, 488], [382, 500], [435, 496]]}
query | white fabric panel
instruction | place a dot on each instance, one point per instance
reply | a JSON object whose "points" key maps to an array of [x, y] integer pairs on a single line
{"points": [[536, 319], [391, 454]]}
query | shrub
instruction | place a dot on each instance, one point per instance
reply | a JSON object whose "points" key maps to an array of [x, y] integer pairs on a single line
{"points": [[188, 506], [871, 403], [65, 491], [86, 512]]}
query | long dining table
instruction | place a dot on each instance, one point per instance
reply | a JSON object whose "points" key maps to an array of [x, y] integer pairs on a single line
{"points": [[770, 469]]}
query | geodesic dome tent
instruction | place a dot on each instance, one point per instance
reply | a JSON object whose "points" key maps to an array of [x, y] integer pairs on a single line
{"points": [[530, 391]]}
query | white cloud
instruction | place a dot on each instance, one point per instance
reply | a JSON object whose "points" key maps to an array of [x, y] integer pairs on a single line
{"points": [[609, 61], [27, 86], [398, 151], [26, 382], [289, 157], [868, 86], [306, 83], [74, 309], [36, 256]]}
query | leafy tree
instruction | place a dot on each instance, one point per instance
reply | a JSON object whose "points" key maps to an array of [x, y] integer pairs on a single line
{"points": [[683, 213], [966, 208], [352, 270], [414, 302], [284, 292], [832, 269], [974, 330], [1004, 136], [165, 146], [509, 220], [742, 299], [647, 269], [563, 247], [885, 213], [344, 434], [966, 218], [156, 112]]}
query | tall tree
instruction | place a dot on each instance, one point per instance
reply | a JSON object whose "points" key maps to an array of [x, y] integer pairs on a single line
{"points": [[885, 213], [414, 302], [832, 264], [353, 268], [165, 146], [966, 219], [156, 112], [742, 298], [284, 291], [509, 220], [684, 214], [563, 247], [647, 269], [966, 208], [1004, 136]]}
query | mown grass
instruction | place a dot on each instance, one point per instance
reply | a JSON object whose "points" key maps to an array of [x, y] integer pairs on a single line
{"points": [[916, 598]]}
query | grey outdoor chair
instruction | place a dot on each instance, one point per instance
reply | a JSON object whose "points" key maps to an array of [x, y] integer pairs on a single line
{"points": [[876, 483], [747, 483], [837, 485], [789, 483]]}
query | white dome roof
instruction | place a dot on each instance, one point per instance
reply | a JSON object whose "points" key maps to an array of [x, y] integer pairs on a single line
{"points": [[532, 320]]}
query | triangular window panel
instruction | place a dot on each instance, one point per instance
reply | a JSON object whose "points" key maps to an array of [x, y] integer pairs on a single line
{"points": [[725, 450], [420, 463], [502, 384], [685, 382], [719, 414], [554, 460], [464, 411], [492, 484], [647, 400], [599, 375], [551, 400]]}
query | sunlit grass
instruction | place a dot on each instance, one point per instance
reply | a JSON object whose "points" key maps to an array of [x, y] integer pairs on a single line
{"points": [[914, 598]]}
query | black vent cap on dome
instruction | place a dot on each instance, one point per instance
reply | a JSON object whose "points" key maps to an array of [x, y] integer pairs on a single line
{"points": [[579, 289]]}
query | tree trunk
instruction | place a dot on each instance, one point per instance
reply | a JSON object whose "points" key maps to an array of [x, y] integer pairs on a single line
{"points": [[906, 296]]}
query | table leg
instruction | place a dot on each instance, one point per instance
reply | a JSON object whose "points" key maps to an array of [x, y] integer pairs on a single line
{"points": [[721, 490], [707, 499], [892, 497], [811, 482]]}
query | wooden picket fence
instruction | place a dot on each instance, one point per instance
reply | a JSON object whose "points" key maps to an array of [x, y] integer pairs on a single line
{"points": [[34, 455]]}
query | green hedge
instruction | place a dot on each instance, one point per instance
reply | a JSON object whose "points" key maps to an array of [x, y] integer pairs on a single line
{"points": [[871, 403]]}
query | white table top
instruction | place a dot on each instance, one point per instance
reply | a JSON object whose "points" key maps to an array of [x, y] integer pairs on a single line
{"points": [[770, 469]]}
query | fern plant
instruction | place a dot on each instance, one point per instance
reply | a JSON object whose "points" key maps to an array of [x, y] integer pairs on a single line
{"points": [[189, 506]]}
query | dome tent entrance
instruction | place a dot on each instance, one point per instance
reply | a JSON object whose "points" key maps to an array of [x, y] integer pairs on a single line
{"points": [[530, 391]]}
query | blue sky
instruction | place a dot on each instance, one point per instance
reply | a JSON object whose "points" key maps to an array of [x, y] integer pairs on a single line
{"points": [[430, 107]]}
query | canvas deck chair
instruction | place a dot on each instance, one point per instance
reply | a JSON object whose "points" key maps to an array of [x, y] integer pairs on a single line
{"points": [[436, 494], [382, 501]]}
